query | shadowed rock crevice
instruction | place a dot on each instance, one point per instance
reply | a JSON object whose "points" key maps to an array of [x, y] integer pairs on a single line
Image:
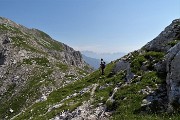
{"points": [[2, 56], [155, 102]]}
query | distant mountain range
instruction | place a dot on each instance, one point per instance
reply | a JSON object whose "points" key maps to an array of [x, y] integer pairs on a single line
{"points": [[93, 62], [106, 56]]}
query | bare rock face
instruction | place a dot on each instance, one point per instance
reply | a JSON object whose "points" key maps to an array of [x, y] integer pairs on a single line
{"points": [[160, 43], [72, 57], [173, 77]]}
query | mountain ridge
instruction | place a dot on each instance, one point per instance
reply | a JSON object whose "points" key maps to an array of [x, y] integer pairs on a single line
{"points": [[32, 66]]}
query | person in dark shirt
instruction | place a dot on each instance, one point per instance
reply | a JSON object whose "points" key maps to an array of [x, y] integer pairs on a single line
{"points": [[102, 66]]}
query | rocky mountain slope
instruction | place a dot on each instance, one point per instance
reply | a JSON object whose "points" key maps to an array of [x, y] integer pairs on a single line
{"points": [[32, 65], [142, 85]]}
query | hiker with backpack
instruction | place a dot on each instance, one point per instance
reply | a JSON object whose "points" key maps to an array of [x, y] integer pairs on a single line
{"points": [[102, 66]]}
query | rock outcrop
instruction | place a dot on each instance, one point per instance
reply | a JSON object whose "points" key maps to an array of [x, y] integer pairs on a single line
{"points": [[173, 77], [168, 42], [160, 43], [124, 65], [161, 55]]}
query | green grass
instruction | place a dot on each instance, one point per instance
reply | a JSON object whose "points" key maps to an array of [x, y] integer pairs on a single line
{"points": [[43, 34], [81, 71], [9, 92], [4, 27], [26, 96], [128, 99], [173, 43], [39, 61], [137, 63], [154, 55], [69, 104], [52, 44], [49, 44], [59, 94], [56, 45], [55, 97], [22, 42], [148, 59], [125, 108], [62, 66]]}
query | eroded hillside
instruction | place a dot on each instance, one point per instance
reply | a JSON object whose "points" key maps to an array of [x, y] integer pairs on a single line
{"points": [[32, 65]]}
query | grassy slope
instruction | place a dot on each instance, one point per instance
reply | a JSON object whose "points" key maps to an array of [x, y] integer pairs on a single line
{"points": [[124, 109]]}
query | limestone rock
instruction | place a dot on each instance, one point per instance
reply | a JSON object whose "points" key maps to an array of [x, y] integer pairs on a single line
{"points": [[160, 43], [173, 75], [124, 65]]}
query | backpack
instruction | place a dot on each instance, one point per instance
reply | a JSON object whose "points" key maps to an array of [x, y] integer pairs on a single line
{"points": [[103, 65]]}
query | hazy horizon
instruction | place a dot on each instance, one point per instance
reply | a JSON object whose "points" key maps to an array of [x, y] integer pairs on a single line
{"points": [[101, 26], [108, 57]]}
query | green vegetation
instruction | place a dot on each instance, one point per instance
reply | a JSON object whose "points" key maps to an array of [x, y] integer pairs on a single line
{"points": [[173, 43], [50, 44], [147, 59], [39, 61], [9, 92], [81, 71], [154, 55], [43, 34], [62, 66], [55, 97], [127, 102], [128, 99], [86, 67], [26, 96], [4, 27], [137, 63], [56, 45], [22, 42], [39, 110]]}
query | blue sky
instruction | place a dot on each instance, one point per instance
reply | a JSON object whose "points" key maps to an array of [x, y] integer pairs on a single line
{"points": [[95, 25]]}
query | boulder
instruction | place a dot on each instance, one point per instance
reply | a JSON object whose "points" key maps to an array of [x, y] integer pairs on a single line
{"points": [[173, 76], [124, 65]]}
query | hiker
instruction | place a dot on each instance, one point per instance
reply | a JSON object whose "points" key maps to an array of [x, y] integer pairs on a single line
{"points": [[102, 66]]}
